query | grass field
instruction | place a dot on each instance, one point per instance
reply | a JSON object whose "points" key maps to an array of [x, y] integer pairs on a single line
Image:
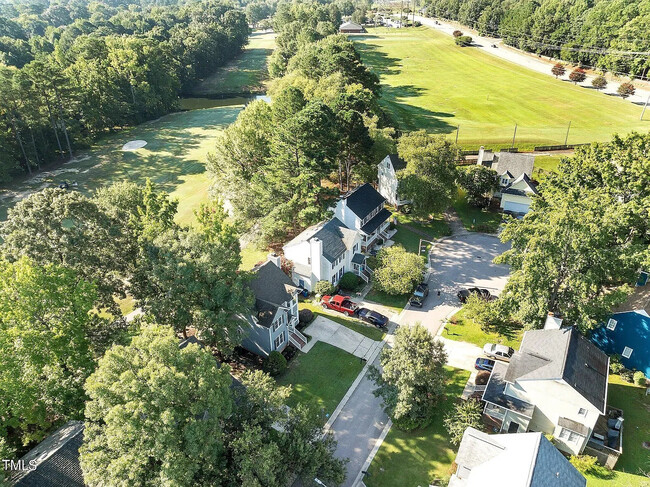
{"points": [[419, 457], [476, 219], [429, 82], [323, 375], [462, 329], [174, 157], [246, 74]]}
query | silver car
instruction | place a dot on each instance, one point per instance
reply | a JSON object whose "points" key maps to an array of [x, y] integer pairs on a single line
{"points": [[500, 352]]}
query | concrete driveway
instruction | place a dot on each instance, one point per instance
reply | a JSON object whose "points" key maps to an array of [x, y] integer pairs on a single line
{"points": [[458, 262], [328, 331]]}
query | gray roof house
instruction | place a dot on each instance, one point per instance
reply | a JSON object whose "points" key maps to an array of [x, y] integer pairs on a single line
{"points": [[272, 324], [555, 383], [512, 460], [387, 178]]}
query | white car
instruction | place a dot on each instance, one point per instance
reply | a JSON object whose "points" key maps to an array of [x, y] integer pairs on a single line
{"points": [[500, 352]]}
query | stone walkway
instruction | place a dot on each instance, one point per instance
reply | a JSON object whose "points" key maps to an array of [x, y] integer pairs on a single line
{"points": [[328, 331]]}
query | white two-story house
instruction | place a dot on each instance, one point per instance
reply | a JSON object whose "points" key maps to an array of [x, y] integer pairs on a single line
{"points": [[556, 383], [388, 181], [326, 251], [272, 323]]}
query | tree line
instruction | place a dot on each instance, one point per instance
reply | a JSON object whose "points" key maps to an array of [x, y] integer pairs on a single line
{"points": [[72, 72], [578, 32]]}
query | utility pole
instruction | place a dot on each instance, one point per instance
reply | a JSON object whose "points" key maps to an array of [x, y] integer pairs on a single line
{"points": [[566, 139], [644, 107], [457, 130], [513, 138], [401, 14]]}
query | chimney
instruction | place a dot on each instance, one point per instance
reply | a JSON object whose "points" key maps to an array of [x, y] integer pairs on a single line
{"points": [[276, 259], [481, 154], [552, 322]]}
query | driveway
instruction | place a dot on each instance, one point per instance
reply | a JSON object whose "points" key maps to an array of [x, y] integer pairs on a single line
{"points": [[328, 331], [461, 355], [462, 261]]}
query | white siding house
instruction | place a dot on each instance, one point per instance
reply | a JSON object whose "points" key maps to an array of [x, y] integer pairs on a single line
{"points": [[516, 197], [387, 178]]}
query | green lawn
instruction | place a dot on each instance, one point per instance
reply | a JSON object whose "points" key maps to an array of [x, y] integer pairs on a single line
{"points": [[323, 375], [476, 219], [436, 227], [251, 255], [429, 82], [174, 157], [465, 330], [351, 323], [417, 458], [395, 303], [407, 239], [246, 74]]}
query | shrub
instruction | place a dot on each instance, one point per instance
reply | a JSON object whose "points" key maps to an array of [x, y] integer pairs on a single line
{"points": [[463, 41], [558, 69], [275, 363], [324, 287], [626, 89], [482, 378], [627, 375], [349, 281], [305, 316], [417, 23], [583, 463], [465, 414], [599, 82], [578, 75], [615, 365], [549, 437], [457, 33], [639, 378]]}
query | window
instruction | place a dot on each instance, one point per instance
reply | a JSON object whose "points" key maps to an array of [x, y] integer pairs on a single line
{"points": [[333, 280], [279, 340], [308, 260], [627, 352], [276, 325], [569, 436], [611, 324], [582, 412]]}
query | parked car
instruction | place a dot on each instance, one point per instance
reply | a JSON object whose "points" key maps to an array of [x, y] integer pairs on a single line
{"points": [[483, 363], [421, 292], [500, 352], [342, 304], [372, 317], [464, 294]]}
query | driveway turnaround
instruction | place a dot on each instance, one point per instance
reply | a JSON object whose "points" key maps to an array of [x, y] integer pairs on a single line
{"points": [[328, 331]]}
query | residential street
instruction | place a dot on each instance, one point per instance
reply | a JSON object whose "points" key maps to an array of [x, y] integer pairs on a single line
{"points": [[464, 260]]}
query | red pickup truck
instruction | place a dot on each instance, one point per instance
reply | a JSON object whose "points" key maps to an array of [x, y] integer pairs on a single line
{"points": [[339, 303]]}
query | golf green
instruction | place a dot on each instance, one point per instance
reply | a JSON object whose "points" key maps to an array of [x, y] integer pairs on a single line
{"points": [[430, 83]]}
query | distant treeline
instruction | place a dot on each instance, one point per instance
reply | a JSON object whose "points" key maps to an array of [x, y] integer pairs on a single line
{"points": [[72, 71], [607, 34]]}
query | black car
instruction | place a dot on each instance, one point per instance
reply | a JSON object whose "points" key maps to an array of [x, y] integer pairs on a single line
{"points": [[463, 294], [372, 317], [421, 292]]}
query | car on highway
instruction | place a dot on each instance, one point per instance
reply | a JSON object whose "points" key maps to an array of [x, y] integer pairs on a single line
{"points": [[464, 294], [497, 351], [421, 292], [483, 363], [372, 317], [342, 304]]}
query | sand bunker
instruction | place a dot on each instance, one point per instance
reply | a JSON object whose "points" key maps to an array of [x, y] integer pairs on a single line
{"points": [[134, 145]]}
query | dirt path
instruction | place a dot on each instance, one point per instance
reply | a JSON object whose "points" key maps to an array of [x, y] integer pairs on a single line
{"points": [[530, 61]]}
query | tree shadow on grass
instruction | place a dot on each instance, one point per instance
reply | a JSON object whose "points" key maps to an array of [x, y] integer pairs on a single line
{"points": [[411, 117]]}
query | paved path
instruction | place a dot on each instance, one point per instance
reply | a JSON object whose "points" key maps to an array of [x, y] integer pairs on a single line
{"points": [[328, 331], [526, 60]]}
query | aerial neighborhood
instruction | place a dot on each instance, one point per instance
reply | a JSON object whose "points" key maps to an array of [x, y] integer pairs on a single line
{"points": [[275, 243]]}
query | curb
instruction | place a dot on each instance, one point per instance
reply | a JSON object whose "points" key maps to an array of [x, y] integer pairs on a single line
{"points": [[358, 482]]}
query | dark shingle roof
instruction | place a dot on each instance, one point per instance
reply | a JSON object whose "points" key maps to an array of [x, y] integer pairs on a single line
{"points": [[358, 259], [571, 357], [363, 200], [57, 458], [574, 426], [334, 235], [271, 287], [375, 221], [516, 164], [529, 182], [397, 162], [495, 392]]}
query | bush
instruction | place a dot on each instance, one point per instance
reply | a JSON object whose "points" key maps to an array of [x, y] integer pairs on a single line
{"points": [[349, 281], [599, 82], [626, 89], [578, 75], [417, 23], [615, 365], [275, 363], [482, 378], [305, 316], [457, 33], [583, 463], [463, 41], [627, 375], [324, 287], [639, 378]]}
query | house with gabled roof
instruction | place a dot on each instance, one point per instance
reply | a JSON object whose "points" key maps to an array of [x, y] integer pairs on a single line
{"points": [[388, 183], [274, 318], [556, 383], [512, 460], [514, 172], [326, 251]]}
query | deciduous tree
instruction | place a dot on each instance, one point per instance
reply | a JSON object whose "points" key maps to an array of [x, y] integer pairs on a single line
{"points": [[466, 414], [578, 75], [558, 69], [397, 271], [479, 182], [626, 89], [599, 82]]}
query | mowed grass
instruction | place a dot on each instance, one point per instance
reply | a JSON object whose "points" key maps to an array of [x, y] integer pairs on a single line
{"points": [[246, 74], [322, 376], [174, 158], [462, 329], [429, 82], [476, 219], [419, 457]]}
